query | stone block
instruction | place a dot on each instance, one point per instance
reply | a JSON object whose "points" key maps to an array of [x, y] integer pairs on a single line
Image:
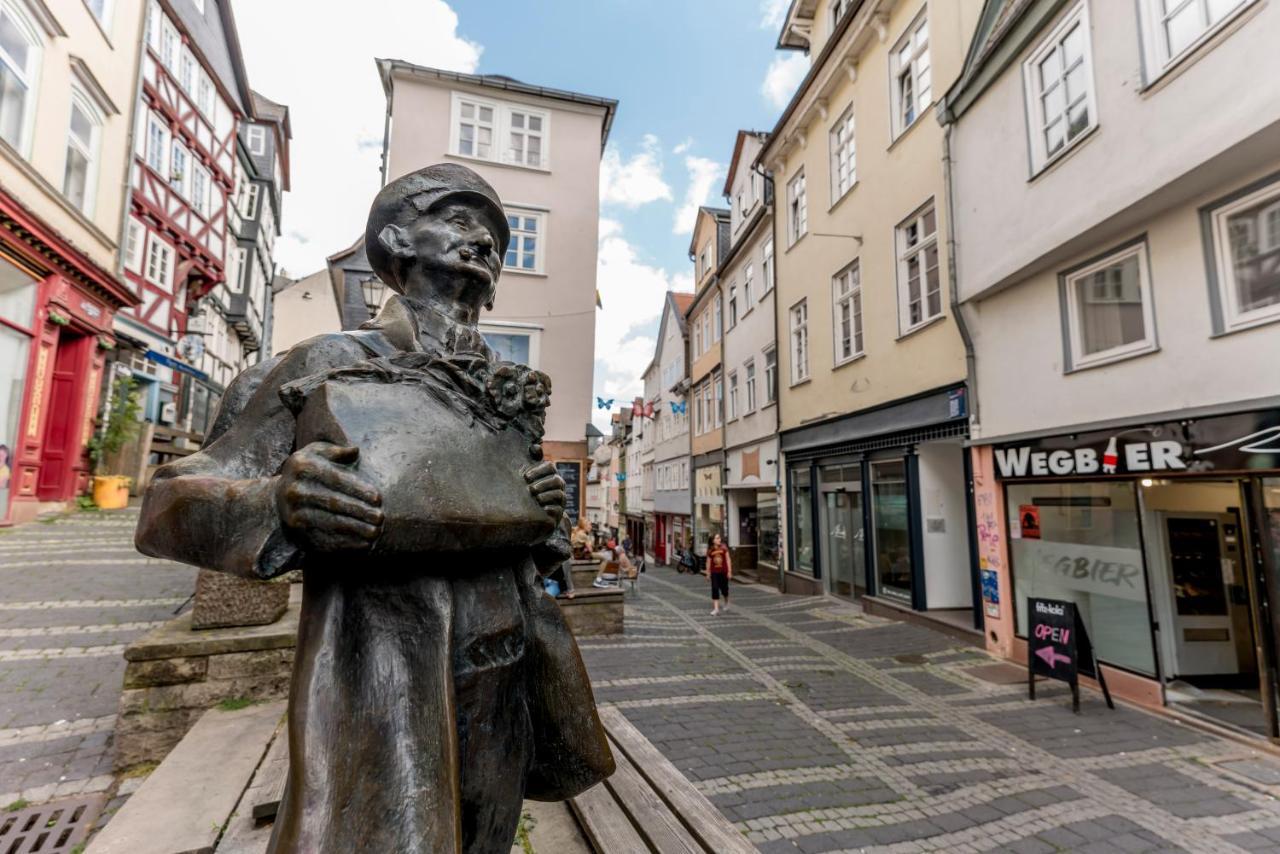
{"points": [[267, 662], [224, 600], [165, 671], [141, 722], [175, 639], [593, 612], [144, 748]]}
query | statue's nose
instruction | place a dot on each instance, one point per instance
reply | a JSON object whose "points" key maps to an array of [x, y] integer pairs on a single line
{"points": [[484, 242]]}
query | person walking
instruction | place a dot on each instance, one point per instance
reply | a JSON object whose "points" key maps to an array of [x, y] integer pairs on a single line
{"points": [[720, 570]]}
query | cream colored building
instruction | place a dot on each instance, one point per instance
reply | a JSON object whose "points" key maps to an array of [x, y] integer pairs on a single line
{"points": [[666, 431], [540, 148], [706, 323], [1124, 291], [872, 364], [303, 308]]}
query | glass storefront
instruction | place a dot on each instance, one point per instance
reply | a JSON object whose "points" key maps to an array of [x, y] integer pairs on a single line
{"points": [[767, 527], [1081, 542], [802, 517], [1271, 514], [892, 531], [708, 501], [843, 551], [17, 311]]}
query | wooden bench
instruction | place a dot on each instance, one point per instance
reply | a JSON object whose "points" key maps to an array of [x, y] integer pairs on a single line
{"points": [[649, 806]]}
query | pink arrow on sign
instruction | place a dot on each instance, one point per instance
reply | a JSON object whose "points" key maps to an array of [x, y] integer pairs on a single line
{"points": [[1051, 656]]}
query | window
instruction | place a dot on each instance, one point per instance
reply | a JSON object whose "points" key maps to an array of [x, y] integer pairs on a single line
{"points": [[1246, 243], [83, 133], [204, 94], [1175, 27], [704, 261], [524, 136], [157, 144], [1108, 306], [838, 8], [159, 270], [524, 252], [843, 173], [187, 72], [750, 370], [733, 395], [101, 10], [179, 169], [252, 191], [847, 312], [154, 18], [718, 382], [698, 420], [919, 281], [801, 506], [697, 341], [767, 255], [168, 44], [733, 306], [770, 375], [475, 129], [719, 322], [135, 239], [1059, 83], [200, 185], [257, 140], [511, 346], [911, 75], [797, 209], [799, 342], [747, 300], [19, 64]]}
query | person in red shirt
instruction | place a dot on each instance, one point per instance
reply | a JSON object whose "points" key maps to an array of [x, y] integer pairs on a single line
{"points": [[720, 570]]}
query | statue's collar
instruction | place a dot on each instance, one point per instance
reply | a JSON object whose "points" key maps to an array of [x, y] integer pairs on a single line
{"points": [[403, 329]]}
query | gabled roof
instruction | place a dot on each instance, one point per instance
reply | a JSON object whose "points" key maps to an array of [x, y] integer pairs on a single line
{"points": [[1004, 28], [499, 81], [214, 36], [268, 110], [741, 139], [678, 303], [721, 216]]}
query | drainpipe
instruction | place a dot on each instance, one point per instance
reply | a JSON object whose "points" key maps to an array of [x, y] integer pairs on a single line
{"points": [[971, 373]]}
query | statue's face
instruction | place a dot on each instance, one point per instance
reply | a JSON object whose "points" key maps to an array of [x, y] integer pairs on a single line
{"points": [[457, 241]]}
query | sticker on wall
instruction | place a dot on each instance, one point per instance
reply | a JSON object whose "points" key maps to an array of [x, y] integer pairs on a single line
{"points": [[990, 587], [1029, 521]]}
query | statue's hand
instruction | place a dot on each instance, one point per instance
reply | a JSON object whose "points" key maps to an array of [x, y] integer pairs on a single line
{"points": [[548, 488], [323, 504]]}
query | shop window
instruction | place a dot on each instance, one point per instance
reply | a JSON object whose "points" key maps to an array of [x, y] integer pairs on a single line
{"points": [[892, 528], [17, 295], [1246, 246], [1080, 542], [844, 540], [802, 521], [767, 526], [1109, 313], [1271, 512]]}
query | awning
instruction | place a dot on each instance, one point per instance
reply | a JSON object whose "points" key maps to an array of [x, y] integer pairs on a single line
{"points": [[170, 362]]}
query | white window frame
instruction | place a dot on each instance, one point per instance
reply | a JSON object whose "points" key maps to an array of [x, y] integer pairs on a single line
{"points": [[748, 298], [170, 44], [749, 370], [717, 386], [521, 158], [256, 140], [733, 395], [798, 317], [771, 376], [716, 320], [204, 93], [767, 265], [697, 343], [1037, 123], [200, 189], [846, 299], [733, 306], [90, 149], [531, 331], [1233, 319], [166, 251], [905, 254], [252, 196], [1155, 42], [501, 127], [135, 243], [844, 155], [104, 19], [188, 72], [797, 208], [919, 67], [180, 173], [517, 244], [1079, 359], [157, 154], [29, 75]]}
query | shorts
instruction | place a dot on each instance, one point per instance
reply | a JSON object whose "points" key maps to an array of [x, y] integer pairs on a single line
{"points": [[719, 585]]}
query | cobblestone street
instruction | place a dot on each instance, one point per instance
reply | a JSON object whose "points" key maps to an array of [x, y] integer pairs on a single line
{"points": [[74, 593], [816, 728]]}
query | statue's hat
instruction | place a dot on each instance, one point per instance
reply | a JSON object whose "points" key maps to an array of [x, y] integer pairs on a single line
{"points": [[416, 194]]}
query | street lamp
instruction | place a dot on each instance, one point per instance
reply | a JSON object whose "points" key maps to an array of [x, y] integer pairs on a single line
{"points": [[374, 293]]}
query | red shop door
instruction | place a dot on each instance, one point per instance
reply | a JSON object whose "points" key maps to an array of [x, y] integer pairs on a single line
{"points": [[660, 539], [61, 448]]}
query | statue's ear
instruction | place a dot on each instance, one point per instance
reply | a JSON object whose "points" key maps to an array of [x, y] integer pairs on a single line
{"points": [[394, 239]]}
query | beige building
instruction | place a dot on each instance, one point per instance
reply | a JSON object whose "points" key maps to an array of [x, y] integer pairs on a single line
{"points": [[303, 308], [1125, 305], [706, 322], [664, 435], [69, 74], [872, 364], [540, 148], [749, 355]]}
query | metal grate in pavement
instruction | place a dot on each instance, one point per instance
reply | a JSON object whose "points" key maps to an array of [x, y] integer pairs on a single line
{"points": [[52, 828]]}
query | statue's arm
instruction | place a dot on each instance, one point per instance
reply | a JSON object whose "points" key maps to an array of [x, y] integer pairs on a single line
{"points": [[217, 508]]}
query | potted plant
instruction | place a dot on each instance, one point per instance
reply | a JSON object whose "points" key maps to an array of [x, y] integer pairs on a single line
{"points": [[118, 426]]}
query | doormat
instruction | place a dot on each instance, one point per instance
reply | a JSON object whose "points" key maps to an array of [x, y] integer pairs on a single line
{"points": [[999, 673], [53, 828]]}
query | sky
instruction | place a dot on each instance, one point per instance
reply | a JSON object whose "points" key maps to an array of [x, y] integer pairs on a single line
{"points": [[688, 75]]}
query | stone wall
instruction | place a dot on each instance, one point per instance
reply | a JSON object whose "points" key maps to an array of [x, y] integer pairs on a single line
{"points": [[593, 611]]}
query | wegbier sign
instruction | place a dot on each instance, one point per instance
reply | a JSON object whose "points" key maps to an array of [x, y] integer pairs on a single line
{"points": [[1056, 643]]}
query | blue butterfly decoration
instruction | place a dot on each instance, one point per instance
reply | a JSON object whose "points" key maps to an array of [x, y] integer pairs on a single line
{"points": [[601, 403], [622, 475], [679, 408]]}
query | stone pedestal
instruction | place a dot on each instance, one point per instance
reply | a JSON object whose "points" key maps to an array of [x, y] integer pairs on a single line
{"points": [[593, 611], [174, 675], [584, 572], [224, 600]]}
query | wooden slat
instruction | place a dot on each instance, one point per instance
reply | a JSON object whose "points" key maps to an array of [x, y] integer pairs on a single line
{"points": [[184, 804], [268, 784], [605, 822], [699, 815], [649, 813]]}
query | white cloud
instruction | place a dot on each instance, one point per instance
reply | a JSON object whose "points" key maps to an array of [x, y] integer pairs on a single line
{"points": [[703, 174], [324, 72], [782, 78], [636, 181], [773, 13], [683, 147], [632, 293]]}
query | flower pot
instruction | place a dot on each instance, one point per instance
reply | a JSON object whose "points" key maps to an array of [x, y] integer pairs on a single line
{"points": [[111, 492]]}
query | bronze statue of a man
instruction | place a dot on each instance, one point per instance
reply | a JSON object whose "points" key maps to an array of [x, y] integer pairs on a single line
{"points": [[399, 466]]}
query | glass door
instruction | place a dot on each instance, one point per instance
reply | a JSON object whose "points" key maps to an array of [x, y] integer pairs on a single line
{"points": [[842, 529], [892, 531]]}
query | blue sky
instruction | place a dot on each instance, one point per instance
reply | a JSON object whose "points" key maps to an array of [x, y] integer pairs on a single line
{"points": [[688, 74]]}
